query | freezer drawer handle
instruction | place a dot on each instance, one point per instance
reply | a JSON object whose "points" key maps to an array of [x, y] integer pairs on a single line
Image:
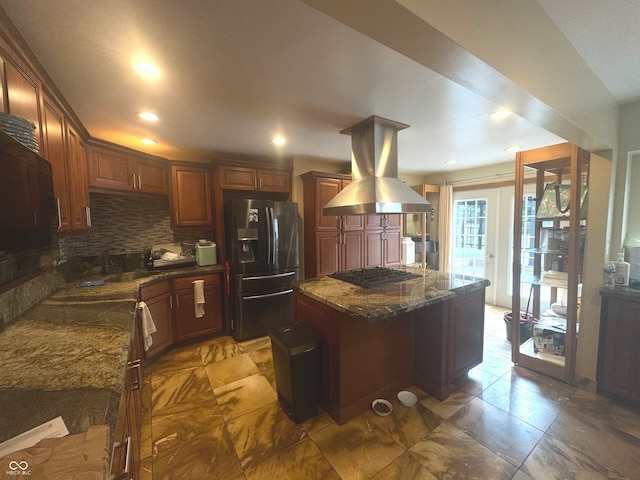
{"points": [[288, 274], [253, 297]]}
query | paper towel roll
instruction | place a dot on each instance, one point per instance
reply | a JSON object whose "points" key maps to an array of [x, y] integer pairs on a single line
{"points": [[198, 297]]}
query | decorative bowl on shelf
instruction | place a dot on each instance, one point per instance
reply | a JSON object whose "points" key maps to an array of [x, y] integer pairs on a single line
{"points": [[407, 399], [382, 407]]}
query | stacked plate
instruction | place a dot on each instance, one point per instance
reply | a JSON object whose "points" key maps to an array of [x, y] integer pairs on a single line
{"points": [[20, 129]]}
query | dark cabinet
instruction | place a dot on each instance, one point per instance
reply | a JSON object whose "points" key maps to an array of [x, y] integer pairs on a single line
{"points": [[619, 347], [191, 203], [157, 296], [187, 324], [26, 191]]}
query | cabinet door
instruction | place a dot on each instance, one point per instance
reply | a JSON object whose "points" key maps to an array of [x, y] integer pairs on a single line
{"points": [[23, 95], [77, 181], [326, 189], [191, 196], [237, 178], [187, 324], [328, 253], [158, 298], [110, 169], [15, 184], [373, 249], [150, 176], [55, 152], [392, 248], [621, 354], [466, 333], [274, 181], [352, 255]]}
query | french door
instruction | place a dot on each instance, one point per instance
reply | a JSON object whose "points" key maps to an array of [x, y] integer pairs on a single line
{"points": [[473, 235]]}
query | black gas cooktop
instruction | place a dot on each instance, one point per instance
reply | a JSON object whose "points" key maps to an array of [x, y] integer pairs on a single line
{"points": [[373, 277]]}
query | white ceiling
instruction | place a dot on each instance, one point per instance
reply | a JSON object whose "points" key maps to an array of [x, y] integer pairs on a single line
{"points": [[237, 72]]}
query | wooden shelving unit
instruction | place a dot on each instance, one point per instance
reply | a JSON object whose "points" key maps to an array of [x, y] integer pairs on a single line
{"points": [[562, 163]]}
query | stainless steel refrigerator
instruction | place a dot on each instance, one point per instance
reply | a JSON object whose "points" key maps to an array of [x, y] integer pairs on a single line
{"points": [[262, 250]]}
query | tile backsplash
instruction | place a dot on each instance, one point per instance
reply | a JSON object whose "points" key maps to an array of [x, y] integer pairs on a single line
{"points": [[133, 222]]}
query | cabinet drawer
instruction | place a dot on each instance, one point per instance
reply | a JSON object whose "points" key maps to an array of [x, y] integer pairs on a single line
{"points": [[153, 290], [184, 283]]}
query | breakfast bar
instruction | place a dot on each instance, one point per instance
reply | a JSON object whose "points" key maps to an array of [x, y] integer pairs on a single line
{"points": [[425, 331]]}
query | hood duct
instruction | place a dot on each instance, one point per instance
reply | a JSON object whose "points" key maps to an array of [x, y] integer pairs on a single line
{"points": [[375, 187]]}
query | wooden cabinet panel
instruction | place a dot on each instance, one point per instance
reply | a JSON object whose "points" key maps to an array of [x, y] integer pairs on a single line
{"points": [[55, 151], [619, 351], [127, 171], [187, 324], [327, 254], [352, 252], [393, 248], [235, 177], [110, 169], [273, 181], [325, 190], [158, 298], [78, 181], [151, 176], [373, 249], [466, 334], [23, 95], [191, 196]]}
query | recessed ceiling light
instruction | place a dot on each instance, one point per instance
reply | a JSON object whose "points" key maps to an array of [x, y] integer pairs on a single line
{"points": [[500, 114], [148, 141], [151, 117], [146, 69], [279, 141], [451, 162], [513, 148]]}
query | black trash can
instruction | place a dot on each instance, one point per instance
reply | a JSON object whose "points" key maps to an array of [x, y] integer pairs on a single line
{"points": [[297, 361]]}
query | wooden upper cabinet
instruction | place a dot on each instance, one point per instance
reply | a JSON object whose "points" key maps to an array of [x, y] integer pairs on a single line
{"points": [[115, 169], [191, 203], [232, 177], [54, 149], [77, 180], [23, 93]]}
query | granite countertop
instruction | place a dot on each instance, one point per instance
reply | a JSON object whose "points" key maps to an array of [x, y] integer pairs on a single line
{"points": [[67, 355], [386, 301]]}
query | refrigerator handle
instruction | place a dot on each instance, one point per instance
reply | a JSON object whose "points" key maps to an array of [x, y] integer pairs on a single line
{"points": [[274, 246], [267, 214]]}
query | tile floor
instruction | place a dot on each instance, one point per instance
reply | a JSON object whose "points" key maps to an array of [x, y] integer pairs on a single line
{"points": [[210, 412]]}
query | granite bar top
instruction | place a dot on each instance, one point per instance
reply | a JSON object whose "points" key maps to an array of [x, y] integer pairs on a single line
{"points": [[67, 355], [383, 302]]}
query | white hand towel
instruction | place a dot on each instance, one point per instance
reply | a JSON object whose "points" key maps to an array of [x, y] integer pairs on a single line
{"points": [[198, 297], [148, 327]]}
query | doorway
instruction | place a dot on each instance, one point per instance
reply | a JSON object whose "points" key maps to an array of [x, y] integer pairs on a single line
{"points": [[473, 232]]}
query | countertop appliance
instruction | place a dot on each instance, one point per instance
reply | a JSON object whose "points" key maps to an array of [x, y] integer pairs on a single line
{"points": [[373, 277], [206, 253], [262, 250]]}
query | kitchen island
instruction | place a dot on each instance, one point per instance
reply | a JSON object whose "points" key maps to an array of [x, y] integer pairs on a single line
{"points": [[426, 331]]}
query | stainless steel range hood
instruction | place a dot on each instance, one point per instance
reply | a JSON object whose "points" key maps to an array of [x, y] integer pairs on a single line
{"points": [[375, 187]]}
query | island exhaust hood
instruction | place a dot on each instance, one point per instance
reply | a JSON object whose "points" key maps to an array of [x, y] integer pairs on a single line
{"points": [[375, 187]]}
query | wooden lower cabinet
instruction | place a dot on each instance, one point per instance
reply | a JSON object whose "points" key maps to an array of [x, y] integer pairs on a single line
{"points": [[157, 296], [363, 360], [187, 324], [619, 346], [125, 457]]}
